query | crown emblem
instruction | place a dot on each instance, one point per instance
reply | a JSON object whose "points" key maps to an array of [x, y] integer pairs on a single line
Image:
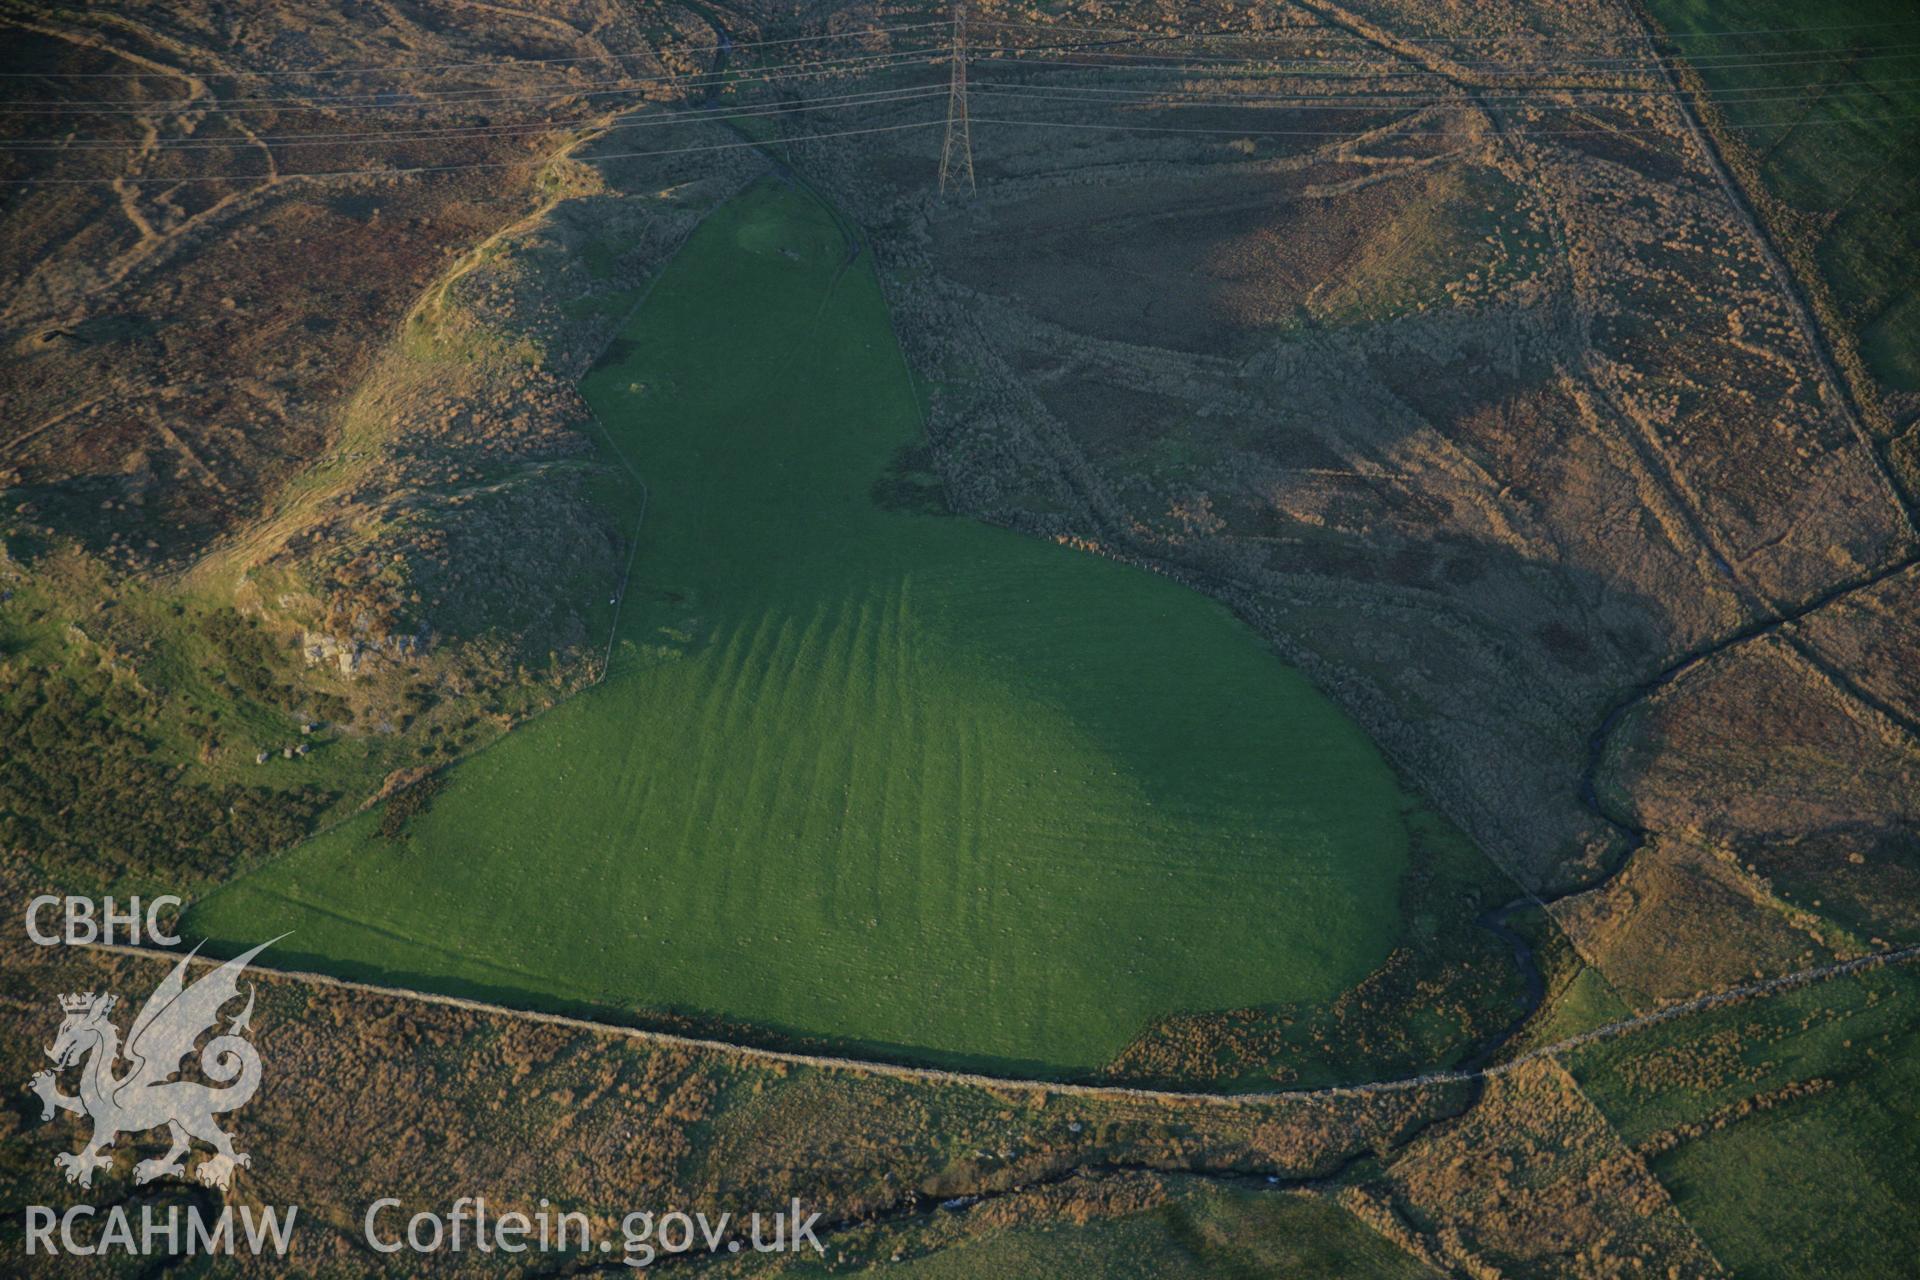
{"points": [[81, 1001]]}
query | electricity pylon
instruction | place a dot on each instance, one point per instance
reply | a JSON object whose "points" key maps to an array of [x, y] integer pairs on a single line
{"points": [[956, 156]]}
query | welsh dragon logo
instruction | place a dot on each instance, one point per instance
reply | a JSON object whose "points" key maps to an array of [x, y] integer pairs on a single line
{"points": [[145, 1095]]}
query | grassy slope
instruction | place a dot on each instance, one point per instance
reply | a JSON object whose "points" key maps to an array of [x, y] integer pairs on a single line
{"points": [[1837, 141], [163, 711], [1202, 1233], [1817, 1185], [1825, 1188], [880, 775]]}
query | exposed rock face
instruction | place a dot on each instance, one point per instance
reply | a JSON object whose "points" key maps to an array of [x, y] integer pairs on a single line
{"points": [[348, 655]]}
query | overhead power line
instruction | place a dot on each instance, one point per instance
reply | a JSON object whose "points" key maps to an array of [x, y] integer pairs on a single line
{"points": [[873, 97], [956, 156], [1246, 71], [1154, 98], [1443, 133], [1094, 57], [1117, 126], [1550, 95], [1316, 31], [1324, 31], [1653, 63], [416, 100], [417, 170], [416, 68]]}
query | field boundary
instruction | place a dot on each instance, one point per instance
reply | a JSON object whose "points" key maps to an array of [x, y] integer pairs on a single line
{"points": [[1843, 397], [1116, 1092]]}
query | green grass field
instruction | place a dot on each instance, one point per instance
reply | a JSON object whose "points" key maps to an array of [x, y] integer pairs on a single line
{"points": [[862, 770], [1815, 1186], [1827, 100], [1203, 1231]]}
